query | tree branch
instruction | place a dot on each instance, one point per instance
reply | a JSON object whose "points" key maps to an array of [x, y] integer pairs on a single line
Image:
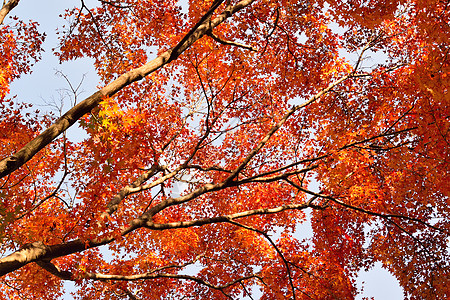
{"points": [[153, 274], [360, 209], [113, 205], [230, 217], [52, 269], [7, 8], [230, 43], [97, 276]]}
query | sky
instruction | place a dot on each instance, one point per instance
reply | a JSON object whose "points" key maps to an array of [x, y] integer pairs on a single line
{"points": [[44, 86]]}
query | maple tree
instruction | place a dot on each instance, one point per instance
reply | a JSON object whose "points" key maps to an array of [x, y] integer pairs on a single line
{"points": [[206, 155]]}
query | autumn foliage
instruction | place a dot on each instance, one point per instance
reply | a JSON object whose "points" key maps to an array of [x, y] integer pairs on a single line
{"points": [[221, 129]]}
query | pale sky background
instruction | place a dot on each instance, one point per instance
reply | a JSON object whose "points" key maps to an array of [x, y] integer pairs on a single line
{"points": [[43, 85]]}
